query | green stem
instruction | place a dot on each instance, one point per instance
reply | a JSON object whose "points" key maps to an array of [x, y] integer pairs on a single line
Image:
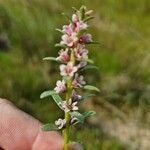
{"points": [[66, 132], [67, 115]]}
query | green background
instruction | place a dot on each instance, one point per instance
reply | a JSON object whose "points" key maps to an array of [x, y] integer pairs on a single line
{"points": [[27, 34]]}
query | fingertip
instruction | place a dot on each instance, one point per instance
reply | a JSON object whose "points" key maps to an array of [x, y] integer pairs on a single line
{"points": [[75, 146]]}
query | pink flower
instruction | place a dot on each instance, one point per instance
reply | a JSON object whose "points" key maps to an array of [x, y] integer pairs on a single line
{"points": [[81, 53], [86, 38], [67, 70], [69, 40], [68, 29], [60, 86], [78, 81], [69, 106], [60, 123], [80, 25], [63, 56], [75, 18]]}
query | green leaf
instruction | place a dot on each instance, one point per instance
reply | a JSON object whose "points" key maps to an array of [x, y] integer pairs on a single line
{"points": [[88, 114], [49, 127], [57, 99], [82, 12], [90, 87], [60, 45], [79, 116], [88, 18], [86, 96], [47, 93], [54, 95], [90, 67], [59, 30], [90, 61], [50, 58]]}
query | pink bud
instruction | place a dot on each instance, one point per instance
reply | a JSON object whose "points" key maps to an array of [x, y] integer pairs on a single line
{"points": [[60, 123], [78, 81], [63, 56], [75, 97], [75, 18], [60, 86], [81, 53], [86, 38], [69, 106], [68, 29], [82, 64]]}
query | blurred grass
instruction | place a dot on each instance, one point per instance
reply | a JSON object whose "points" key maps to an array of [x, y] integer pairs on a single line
{"points": [[27, 34]]}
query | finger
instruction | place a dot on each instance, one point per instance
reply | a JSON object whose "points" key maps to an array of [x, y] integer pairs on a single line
{"points": [[75, 146], [19, 131], [48, 141]]}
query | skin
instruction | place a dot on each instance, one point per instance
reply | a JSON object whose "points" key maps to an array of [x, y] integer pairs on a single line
{"points": [[20, 131]]}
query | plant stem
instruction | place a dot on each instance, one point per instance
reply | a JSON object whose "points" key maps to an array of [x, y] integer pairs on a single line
{"points": [[67, 115], [66, 131]]}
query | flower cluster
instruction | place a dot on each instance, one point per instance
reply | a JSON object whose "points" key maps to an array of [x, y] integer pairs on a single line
{"points": [[74, 56]]}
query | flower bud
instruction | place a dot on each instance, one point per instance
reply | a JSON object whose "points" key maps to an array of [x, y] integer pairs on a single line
{"points": [[63, 56], [60, 123], [86, 38], [60, 86], [75, 18]]}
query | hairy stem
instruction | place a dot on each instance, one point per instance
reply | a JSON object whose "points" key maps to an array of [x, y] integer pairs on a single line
{"points": [[67, 115]]}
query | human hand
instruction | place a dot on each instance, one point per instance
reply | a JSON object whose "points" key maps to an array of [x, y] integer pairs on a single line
{"points": [[20, 131]]}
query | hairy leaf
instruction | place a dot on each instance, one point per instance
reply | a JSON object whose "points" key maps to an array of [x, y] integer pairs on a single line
{"points": [[88, 114], [86, 96], [81, 117], [78, 116], [54, 95], [88, 18], [90, 67], [90, 61], [57, 99], [92, 88], [50, 58], [60, 45], [47, 93], [49, 127], [59, 30]]}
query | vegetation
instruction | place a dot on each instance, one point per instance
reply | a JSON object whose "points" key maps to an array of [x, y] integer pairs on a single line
{"points": [[121, 27]]}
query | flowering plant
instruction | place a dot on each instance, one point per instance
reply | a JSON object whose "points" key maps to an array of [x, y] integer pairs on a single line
{"points": [[74, 59]]}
